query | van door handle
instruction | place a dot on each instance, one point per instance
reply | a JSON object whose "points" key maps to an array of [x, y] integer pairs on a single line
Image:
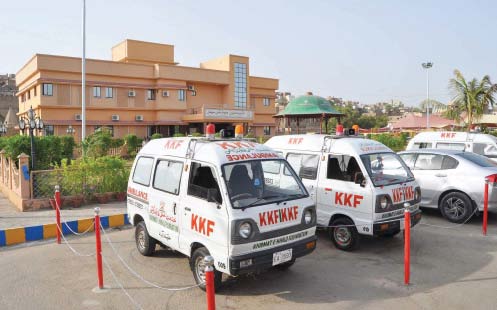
{"points": [[174, 208], [440, 175], [187, 209]]}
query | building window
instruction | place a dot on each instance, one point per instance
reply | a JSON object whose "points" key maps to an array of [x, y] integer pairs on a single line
{"points": [[267, 130], [240, 85], [96, 91], [181, 95], [23, 97], [34, 91], [49, 131], [265, 101], [47, 90], [150, 94], [108, 92], [29, 94]]}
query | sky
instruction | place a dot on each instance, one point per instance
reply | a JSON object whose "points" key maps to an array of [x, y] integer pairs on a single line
{"points": [[368, 51]]}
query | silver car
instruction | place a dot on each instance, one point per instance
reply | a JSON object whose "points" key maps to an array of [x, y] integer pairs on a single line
{"points": [[452, 181]]}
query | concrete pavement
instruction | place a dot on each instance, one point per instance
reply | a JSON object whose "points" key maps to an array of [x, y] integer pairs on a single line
{"points": [[452, 268]]}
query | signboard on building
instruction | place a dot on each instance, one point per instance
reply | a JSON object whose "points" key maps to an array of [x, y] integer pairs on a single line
{"points": [[229, 114]]}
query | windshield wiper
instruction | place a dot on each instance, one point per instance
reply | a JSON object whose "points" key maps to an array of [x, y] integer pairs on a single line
{"points": [[260, 199]]}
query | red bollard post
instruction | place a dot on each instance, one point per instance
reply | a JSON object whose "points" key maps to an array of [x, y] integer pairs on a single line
{"points": [[57, 212], [209, 283], [407, 244], [485, 208], [99, 249]]}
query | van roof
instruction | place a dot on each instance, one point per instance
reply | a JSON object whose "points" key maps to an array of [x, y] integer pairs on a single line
{"points": [[315, 142], [217, 152], [453, 136]]}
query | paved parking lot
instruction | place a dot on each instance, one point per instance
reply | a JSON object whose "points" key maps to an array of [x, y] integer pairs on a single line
{"points": [[451, 269]]}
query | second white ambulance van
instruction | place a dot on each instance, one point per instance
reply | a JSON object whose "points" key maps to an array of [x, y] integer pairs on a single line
{"points": [[360, 186], [478, 143], [213, 197]]}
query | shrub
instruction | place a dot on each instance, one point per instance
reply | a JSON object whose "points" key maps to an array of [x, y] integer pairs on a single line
{"points": [[97, 144], [132, 141], [118, 142], [197, 134], [68, 145], [179, 134], [396, 143], [156, 136], [94, 175]]}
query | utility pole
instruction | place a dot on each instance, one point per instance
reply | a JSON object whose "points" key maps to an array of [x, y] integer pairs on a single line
{"points": [[83, 79], [427, 65]]}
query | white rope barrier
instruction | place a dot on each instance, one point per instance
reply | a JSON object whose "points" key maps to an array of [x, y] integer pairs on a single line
{"points": [[70, 247], [138, 276], [133, 301]]}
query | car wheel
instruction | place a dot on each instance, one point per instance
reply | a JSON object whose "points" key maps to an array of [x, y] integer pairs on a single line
{"points": [[197, 265], [144, 243], [456, 207], [344, 237]]}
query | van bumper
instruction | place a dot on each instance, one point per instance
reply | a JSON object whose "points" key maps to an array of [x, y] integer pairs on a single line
{"points": [[263, 260], [393, 226]]}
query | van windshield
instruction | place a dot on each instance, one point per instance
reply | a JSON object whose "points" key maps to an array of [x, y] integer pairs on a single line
{"points": [[258, 182], [386, 169]]}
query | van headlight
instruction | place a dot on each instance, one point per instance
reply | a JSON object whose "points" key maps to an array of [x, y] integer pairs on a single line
{"points": [[384, 202], [308, 217], [417, 194], [245, 230]]}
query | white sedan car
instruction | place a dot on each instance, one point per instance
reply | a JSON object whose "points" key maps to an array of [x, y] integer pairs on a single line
{"points": [[452, 181]]}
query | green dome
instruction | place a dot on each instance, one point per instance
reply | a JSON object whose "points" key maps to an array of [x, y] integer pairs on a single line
{"points": [[309, 105]]}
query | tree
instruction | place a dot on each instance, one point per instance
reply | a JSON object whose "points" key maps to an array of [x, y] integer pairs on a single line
{"points": [[434, 105], [471, 96]]}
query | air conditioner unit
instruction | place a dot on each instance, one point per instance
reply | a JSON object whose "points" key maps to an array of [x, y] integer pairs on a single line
{"points": [[131, 93], [194, 92], [165, 93], [115, 117], [77, 117], [139, 118], [191, 87]]}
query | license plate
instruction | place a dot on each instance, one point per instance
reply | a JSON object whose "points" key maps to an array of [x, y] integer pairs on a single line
{"points": [[282, 256]]}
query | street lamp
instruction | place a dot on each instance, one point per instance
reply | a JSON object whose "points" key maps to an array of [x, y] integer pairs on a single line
{"points": [[70, 130], [31, 122], [427, 65]]}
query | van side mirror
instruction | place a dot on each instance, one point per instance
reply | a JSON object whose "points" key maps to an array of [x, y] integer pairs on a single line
{"points": [[491, 153], [212, 195], [359, 179]]}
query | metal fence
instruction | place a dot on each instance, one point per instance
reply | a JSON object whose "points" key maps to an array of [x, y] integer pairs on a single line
{"points": [[74, 182]]}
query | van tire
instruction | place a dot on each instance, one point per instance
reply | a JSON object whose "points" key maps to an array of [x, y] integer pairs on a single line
{"points": [[456, 207], [196, 265], [344, 238], [144, 243]]}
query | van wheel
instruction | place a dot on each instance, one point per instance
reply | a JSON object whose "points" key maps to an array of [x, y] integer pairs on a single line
{"points": [[346, 237], [144, 243], [456, 207], [285, 266], [197, 265]]}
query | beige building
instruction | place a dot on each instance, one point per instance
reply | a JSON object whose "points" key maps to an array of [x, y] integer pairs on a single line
{"points": [[142, 90]]}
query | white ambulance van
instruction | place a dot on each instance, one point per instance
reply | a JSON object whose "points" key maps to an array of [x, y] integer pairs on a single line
{"points": [[478, 143], [211, 197], [360, 186]]}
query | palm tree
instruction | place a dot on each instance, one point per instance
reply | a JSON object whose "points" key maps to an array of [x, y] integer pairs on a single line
{"points": [[471, 96]]}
